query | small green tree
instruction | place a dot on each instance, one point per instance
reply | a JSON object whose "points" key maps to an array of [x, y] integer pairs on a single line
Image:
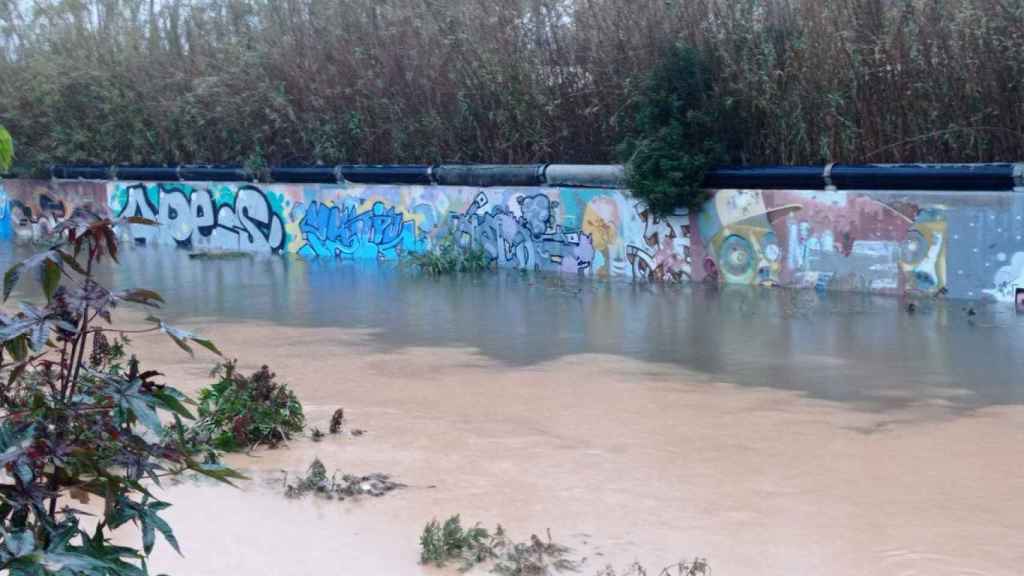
{"points": [[674, 136], [6, 150]]}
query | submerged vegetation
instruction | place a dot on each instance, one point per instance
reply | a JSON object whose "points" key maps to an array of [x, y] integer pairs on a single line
{"points": [[240, 412], [697, 567], [450, 542], [449, 256], [318, 483], [81, 420], [411, 81]]}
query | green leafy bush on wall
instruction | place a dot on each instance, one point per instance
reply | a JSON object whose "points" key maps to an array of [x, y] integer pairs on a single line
{"points": [[675, 137]]}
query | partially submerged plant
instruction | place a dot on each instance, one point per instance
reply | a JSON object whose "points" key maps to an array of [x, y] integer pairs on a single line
{"points": [[696, 567], [317, 483], [449, 256], [534, 558], [443, 543], [240, 412], [337, 419], [450, 542], [80, 420]]}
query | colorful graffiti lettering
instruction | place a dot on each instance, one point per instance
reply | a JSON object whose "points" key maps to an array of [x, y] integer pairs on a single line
{"points": [[240, 219], [963, 246], [377, 232], [529, 240], [31, 210], [664, 255]]}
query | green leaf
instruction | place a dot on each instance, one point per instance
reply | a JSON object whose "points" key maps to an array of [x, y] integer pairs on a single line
{"points": [[11, 279], [51, 278], [208, 345], [172, 404], [71, 262], [145, 414], [182, 337], [16, 329], [216, 471], [162, 526], [58, 561], [20, 543], [40, 334], [15, 442], [181, 343], [111, 239], [148, 537], [141, 296]]}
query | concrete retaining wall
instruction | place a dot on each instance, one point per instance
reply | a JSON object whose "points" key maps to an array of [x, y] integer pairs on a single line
{"points": [[966, 244]]}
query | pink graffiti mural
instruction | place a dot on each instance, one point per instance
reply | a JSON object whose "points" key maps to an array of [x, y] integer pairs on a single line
{"points": [[664, 254]]}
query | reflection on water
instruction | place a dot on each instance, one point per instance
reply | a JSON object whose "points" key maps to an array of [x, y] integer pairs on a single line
{"points": [[848, 347]]}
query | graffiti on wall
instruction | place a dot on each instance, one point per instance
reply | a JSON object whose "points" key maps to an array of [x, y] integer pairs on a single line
{"points": [[232, 218], [32, 210], [376, 231], [528, 237], [966, 246], [664, 254], [823, 240]]}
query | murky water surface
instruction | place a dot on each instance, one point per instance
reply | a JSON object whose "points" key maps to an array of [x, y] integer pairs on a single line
{"points": [[774, 432], [847, 347]]}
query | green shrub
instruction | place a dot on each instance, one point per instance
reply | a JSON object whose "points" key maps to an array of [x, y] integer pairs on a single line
{"points": [[675, 135], [239, 412], [449, 256], [443, 543]]}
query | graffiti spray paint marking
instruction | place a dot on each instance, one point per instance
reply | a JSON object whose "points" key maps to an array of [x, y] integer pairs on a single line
{"points": [[378, 232], [665, 255], [531, 240], [193, 221]]}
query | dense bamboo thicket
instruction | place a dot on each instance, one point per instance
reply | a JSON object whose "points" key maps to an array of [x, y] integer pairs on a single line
{"points": [[277, 81]]}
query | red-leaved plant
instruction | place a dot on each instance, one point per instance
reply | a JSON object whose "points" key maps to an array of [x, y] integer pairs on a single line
{"points": [[79, 423]]}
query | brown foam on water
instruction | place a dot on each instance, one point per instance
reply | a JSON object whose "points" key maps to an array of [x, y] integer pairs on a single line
{"points": [[621, 459]]}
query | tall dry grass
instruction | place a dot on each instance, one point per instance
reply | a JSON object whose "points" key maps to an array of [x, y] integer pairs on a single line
{"points": [[502, 80]]}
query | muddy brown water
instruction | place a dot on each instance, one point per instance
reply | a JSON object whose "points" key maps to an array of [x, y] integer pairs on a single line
{"points": [[769, 431]]}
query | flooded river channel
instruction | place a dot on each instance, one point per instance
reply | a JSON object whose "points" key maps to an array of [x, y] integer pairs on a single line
{"points": [[773, 432]]}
